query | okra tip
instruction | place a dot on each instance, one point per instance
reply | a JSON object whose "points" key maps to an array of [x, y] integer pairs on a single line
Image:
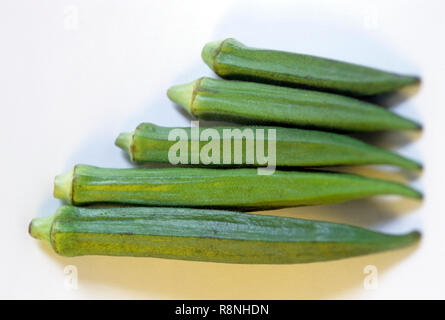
{"points": [[419, 126], [400, 189], [182, 95], [406, 163], [412, 80], [63, 185], [412, 193], [402, 123], [416, 235], [410, 238], [210, 51], [40, 228], [416, 79], [416, 165], [125, 142]]}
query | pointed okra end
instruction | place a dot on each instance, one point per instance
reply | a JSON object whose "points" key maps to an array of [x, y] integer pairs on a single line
{"points": [[397, 122], [410, 164], [407, 191], [183, 95], [401, 241], [125, 142], [413, 237], [400, 161], [415, 80], [407, 163], [386, 187], [209, 53], [410, 81], [413, 125], [40, 228], [63, 186], [408, 239]]}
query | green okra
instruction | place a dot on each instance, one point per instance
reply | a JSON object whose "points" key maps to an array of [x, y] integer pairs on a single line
{"points": [[293, 147], [232, 60], [255, 103], [228, 188], [206, 235]]}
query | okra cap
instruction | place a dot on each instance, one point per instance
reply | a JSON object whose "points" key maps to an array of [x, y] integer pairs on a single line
{"points": [[183, 95], [125, 142], [210, 51], [63, 186], [40, 228]]}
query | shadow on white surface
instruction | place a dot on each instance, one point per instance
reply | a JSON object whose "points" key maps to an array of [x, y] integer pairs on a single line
{"points": [[173, 279], [393, 99]]}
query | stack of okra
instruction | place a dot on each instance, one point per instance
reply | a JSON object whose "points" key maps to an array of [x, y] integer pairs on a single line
{"points": [[181, 212]]}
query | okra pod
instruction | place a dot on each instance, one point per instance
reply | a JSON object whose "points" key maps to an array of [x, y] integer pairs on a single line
{"points": [[293, 147], [206, 235], [255, 103], [228, 188], [232, 60]]}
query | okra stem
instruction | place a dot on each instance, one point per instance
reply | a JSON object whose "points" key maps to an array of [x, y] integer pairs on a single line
{"points": [[40, 228], [63, 185], [125, 141]]}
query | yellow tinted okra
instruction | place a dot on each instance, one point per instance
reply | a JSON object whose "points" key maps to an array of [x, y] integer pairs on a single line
{"points": [[256, 103], [293, 147], [206, 235], [228, 188], [231, 59]]}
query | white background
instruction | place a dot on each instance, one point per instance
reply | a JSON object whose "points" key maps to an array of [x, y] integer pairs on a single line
{"points": [[73, 74]]}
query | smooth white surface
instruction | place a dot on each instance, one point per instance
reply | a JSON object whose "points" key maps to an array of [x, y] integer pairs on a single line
{"points": [[74, 74]]}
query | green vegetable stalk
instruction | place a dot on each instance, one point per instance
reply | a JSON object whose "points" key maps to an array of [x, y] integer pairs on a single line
{"points": [[229, 188], [231, 59], [206, 235], [293, 147], [255, 103]]}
